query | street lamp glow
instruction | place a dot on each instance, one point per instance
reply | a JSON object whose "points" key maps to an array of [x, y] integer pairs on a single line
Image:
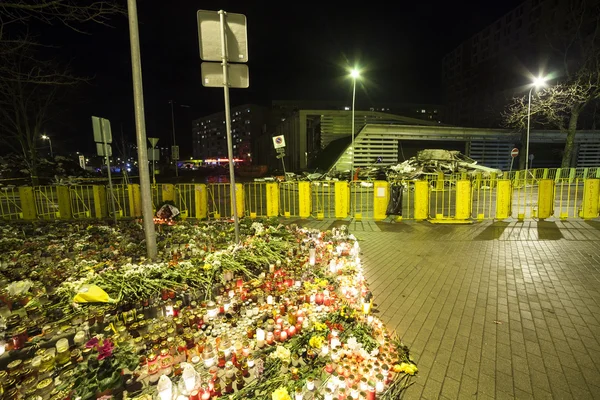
{"points": [[354, 73], [46, 137], [537, 83]]}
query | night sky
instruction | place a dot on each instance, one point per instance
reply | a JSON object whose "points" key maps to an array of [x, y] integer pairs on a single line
{"points": [[297, 51]]}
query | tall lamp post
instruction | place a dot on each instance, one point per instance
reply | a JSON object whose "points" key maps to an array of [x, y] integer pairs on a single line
{"points": [[46, 137], [355, 74], [536, 84]]}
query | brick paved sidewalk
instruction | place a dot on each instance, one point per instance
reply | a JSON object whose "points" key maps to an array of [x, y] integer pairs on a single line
{"points": [[489, 310]]}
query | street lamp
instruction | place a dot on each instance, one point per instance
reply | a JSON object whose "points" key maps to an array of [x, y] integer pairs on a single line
{"points": [[46, 137], [173, 126], [355, 74], [536, 84]]}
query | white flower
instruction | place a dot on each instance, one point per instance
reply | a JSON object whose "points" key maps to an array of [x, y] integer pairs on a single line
{"points": [[282, 353]]}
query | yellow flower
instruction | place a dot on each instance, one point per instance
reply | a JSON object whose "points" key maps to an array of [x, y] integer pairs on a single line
{"points": [[316, 342], [407, 368], [319, 326], [207, 267], [281, 394]]}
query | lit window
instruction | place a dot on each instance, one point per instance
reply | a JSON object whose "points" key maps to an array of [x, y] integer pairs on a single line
{"points": [[423, 111]]}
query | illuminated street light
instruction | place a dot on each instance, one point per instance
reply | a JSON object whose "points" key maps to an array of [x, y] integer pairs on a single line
{"points": [[46, 137], [536, 84], [355, 74]]}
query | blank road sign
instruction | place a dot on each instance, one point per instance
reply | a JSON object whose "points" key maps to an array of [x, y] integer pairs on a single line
{"points": [[209, 34], [100, 126], [100, 149], [212, 75]]}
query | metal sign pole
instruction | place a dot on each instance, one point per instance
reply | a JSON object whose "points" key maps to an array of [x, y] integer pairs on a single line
{"points": [[174, 144], [228, 126], [110, 186], [140, 125]]}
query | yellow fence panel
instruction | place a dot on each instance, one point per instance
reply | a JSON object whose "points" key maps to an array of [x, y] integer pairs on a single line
{"points": [[289, 199], [46, 202], [545, 198], [484, 191], [381, 197], [421, 200], [362, 200], [342, 197], [256, 198], [219, 200], [591, 192], [185, 199], [82, 200], [323, 199], [568, 197], [10, 205], [463, 200], [442, 202], [503, 199]]}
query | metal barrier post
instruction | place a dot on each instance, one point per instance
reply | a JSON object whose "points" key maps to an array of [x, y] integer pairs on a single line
{"points": [[201, 201], [304, 199], [239, 200], [27, 202], [341, 199], [380, 199], [64, 202], [591, 191], [421, 200], [503, 199], [168, 192], [545, 198], [135, 200], [100, 206], [463, 200], [272, 199]]}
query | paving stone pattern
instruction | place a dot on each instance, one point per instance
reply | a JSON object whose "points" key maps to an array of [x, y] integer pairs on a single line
{"points": [[502, 310]]}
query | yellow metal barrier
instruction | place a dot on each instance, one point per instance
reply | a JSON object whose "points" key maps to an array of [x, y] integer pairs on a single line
{"points": [[289, 197], [591, 193], [523, 197], [46, 202], [100, 207], [545, 198], [503, 197], [256, 198], [28, 203], [341, 199], [463, 200], [201, 201], [82, 198], [10, 207], [361, 199], [185, 199], [272, 199], [421, 199], [219, 200], [381, 198], [568, 195], [443, 199], [323, 199], [483, 192], [168, 192], [134, 200]]}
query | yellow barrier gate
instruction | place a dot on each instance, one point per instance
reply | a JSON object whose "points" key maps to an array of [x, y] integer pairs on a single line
{"points": [[289, 197], [46, 202], [591, 193], [323, 199], [568, 196], [219, 200], [10, 207], [443, 199], [255, 196], [503, 203], [484, 192], [381, 198], [362, 200], [82, 200]]}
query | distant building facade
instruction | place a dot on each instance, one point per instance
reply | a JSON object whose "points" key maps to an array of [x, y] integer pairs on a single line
{"points": [[485, 71], [209, 137]]}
